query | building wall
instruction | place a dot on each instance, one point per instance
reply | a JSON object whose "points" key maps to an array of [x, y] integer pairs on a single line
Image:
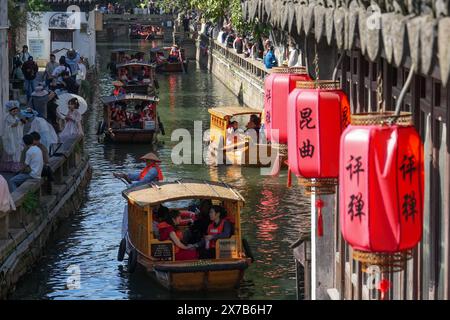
{"points": [[39, 37]]}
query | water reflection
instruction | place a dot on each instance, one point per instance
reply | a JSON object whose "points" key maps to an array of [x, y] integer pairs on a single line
{"points": [[89, 239]]}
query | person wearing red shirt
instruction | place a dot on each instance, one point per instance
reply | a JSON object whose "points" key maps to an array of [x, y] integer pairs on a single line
{"points": [[168, 230]]}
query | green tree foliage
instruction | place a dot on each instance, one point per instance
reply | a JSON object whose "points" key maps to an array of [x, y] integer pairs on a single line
{"points": [[18, 14]]}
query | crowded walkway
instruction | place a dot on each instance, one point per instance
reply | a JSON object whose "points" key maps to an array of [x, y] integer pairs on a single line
{"points": [[45, 114]]}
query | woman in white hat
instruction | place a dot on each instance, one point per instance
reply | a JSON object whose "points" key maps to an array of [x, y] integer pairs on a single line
{"points": [[12, 137]]}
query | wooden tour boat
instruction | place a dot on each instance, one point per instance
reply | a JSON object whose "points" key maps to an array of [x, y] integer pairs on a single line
{"points": [[137, 77], [160, 57], [233, 255], [237, 147], [122, 55], [144, 132]]}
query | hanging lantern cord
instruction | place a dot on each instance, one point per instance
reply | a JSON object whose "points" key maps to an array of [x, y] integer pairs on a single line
{"points": [[403, 92], [316, 63], [380, 100], [338, 64]]}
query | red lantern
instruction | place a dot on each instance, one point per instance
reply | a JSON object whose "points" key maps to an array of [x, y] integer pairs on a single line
{"points": [[318, 112], [381, 185], [277, 87]]}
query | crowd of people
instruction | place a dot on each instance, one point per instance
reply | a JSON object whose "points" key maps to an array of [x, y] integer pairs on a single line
{"points": [[145, 31], [34, 129], [64, 75], [251, 46], [143, 7]]}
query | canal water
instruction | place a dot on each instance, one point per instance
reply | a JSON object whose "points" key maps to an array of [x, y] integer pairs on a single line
{"points": [[88, 241]]}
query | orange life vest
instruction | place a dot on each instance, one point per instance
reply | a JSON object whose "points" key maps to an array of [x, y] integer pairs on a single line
{"points": [[212, 230], [147, 169], [178, 233]]}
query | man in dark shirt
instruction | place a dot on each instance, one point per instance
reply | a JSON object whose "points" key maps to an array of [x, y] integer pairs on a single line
{"points": [[200, 226], [30, 70], [69, 84]]}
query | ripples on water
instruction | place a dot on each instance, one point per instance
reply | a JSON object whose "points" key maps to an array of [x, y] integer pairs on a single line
{"points": [[90, 238]]}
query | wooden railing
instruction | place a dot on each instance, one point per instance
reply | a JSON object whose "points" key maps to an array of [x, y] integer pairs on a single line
{"points": [[32, 199]]}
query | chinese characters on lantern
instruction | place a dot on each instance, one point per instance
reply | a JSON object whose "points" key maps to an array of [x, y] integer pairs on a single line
{"points": [[305, 119], [307, 150], [409, 204], [356, 204], [354, 167]]}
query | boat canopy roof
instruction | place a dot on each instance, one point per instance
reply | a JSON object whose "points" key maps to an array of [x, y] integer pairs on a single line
{"points": [[231, 111], [136, 63], [159, 192], [128, 97], [127, 50]]}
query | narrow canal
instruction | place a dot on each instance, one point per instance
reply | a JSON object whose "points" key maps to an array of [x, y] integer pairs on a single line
{"points": [[90, 238]]}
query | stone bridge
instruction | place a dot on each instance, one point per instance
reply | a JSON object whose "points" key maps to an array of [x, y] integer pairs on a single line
{"points": [[110, 20]]}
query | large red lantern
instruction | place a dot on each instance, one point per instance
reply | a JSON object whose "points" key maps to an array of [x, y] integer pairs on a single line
{"points": [[277, 87], [318, 112], [381, 188]]}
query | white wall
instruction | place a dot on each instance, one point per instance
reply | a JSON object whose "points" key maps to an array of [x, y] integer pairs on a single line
{"points": [[38, 37]]}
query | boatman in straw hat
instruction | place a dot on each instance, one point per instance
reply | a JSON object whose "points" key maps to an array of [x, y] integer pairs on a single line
{"points": [[151, 173]]}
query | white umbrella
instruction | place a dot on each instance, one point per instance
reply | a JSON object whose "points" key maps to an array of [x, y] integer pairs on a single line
{"points": [[63, 101]]}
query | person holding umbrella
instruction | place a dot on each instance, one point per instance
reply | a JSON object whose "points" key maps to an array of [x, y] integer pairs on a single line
{"points": [[151, 173]]}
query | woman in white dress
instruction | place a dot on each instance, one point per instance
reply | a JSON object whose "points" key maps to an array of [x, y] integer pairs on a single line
{"points": [[13, 134], [72, 127]]}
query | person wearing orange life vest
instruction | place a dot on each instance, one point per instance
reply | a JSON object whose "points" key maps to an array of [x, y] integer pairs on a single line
{"points": [[219, 228], [168, 230], [118, 88], [151, 173]]}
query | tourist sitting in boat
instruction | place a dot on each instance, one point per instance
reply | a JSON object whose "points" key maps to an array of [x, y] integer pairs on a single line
{"points": [[255, 124], [151, 173], [118, 88], [149, 111], [174, 54], [123, 75], [168, 230], [219, 228], [119, 116], [135, 118], [159, 216], [199, 227], [232, 133]]}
